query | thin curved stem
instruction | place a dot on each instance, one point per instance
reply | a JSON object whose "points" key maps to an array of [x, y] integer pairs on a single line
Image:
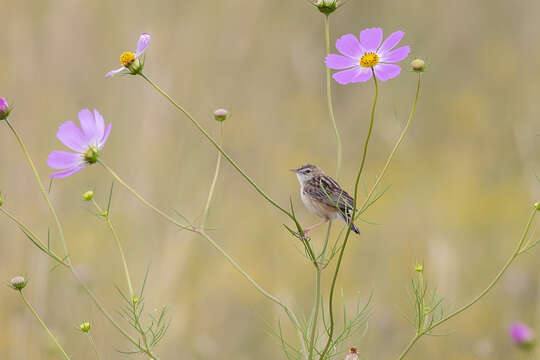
{"points": [[329, 98], [33, 237], [42, 189], [394, 150], [316, 312], [64, 243], [53, 338], [483, 293], [118, 244], [342, 251], [218, 147], [142, 200], [93, 344], [214, 180], [201, 232]]}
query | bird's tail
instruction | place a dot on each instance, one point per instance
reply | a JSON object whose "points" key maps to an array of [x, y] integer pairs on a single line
{"points": [[353, 227]]}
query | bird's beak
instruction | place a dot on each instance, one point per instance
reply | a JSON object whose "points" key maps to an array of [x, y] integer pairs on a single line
{"points": [[294, 170]]}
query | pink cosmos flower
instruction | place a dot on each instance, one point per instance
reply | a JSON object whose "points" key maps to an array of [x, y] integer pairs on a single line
{"points": [[130, 61], [4, 109], [367, 56], [86, 141]]}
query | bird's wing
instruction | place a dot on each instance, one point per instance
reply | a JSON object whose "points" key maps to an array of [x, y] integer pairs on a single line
{"points": [[328, 191]]}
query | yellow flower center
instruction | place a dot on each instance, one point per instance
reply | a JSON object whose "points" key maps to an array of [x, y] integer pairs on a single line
{"points": [[369, 59], [127, 58]]}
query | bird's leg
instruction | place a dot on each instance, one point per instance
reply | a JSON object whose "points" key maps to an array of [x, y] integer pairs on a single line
{"points": [[314, 226]]}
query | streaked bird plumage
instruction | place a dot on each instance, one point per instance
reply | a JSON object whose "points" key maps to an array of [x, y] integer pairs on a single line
{"points": [[323, 196]]}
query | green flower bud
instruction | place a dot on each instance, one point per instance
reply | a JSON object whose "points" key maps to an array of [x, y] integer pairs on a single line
{"points": [[221, 115], [326, 6], [418, 65], [87, 196], [104, 213], [135, 299], [1, 199], [536, 206], [85, 326], [18, 283]]}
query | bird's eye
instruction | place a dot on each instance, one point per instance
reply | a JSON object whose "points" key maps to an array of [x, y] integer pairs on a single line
{"points": [[308, 171]]}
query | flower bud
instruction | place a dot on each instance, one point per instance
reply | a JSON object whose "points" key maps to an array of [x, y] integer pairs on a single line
{"points": [[522, 336], [418, 65], [4, 109], [353, 354], [1, 199], [537, 206], [87, 196], [18, 283], [135, 299], [104, 213], [85, 326], [221, 115], [326, 6], [419, 268]]}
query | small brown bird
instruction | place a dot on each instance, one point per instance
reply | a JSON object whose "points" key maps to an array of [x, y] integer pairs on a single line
{"points": [[323, 196]]}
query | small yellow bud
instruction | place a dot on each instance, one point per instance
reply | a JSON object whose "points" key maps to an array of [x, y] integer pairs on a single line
{"points": [[85, 327], [104, 213], [419, 268], [87, 196], [536, 206], [135, 299]]}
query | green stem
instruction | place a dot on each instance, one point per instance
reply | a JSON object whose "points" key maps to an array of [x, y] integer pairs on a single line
{"points": [[33, 237], [142, 200], [118, 244], [62, 238], [201, 232], [218, 147], [342, 251], [483, 293], [27, 303], [329, 97], [214, 180], [321, 259], [41, 188], [316, 312], [93, 344], [396, 146]]}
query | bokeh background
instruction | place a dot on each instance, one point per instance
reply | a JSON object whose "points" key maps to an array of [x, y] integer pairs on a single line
{"points": [[462, 183]]}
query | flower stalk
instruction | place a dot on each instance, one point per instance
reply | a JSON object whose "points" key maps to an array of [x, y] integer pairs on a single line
{"points": [[484, 292], [214, 180]]}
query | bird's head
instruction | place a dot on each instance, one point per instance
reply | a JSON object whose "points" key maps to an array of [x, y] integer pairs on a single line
{"points": [[307, 172]]}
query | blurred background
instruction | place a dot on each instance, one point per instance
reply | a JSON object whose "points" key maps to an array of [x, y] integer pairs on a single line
{"points": [[461, 185]]}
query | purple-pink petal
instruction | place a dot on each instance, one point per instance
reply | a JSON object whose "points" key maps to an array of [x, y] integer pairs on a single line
{"points": [[142, 44], [350, 46], [371, 38], [63, 160], [3, 105], [339, 62], [100, 124], [390, 42], [386, 72], [66, 173], [114, 72], [105, 136], [396, 55], [357, 74], [520, 333], [71, 136], [88, 125]]}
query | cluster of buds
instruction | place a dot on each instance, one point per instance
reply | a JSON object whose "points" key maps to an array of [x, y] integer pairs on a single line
{"points": [[326, 6], [18, 283], [4, 109]]}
